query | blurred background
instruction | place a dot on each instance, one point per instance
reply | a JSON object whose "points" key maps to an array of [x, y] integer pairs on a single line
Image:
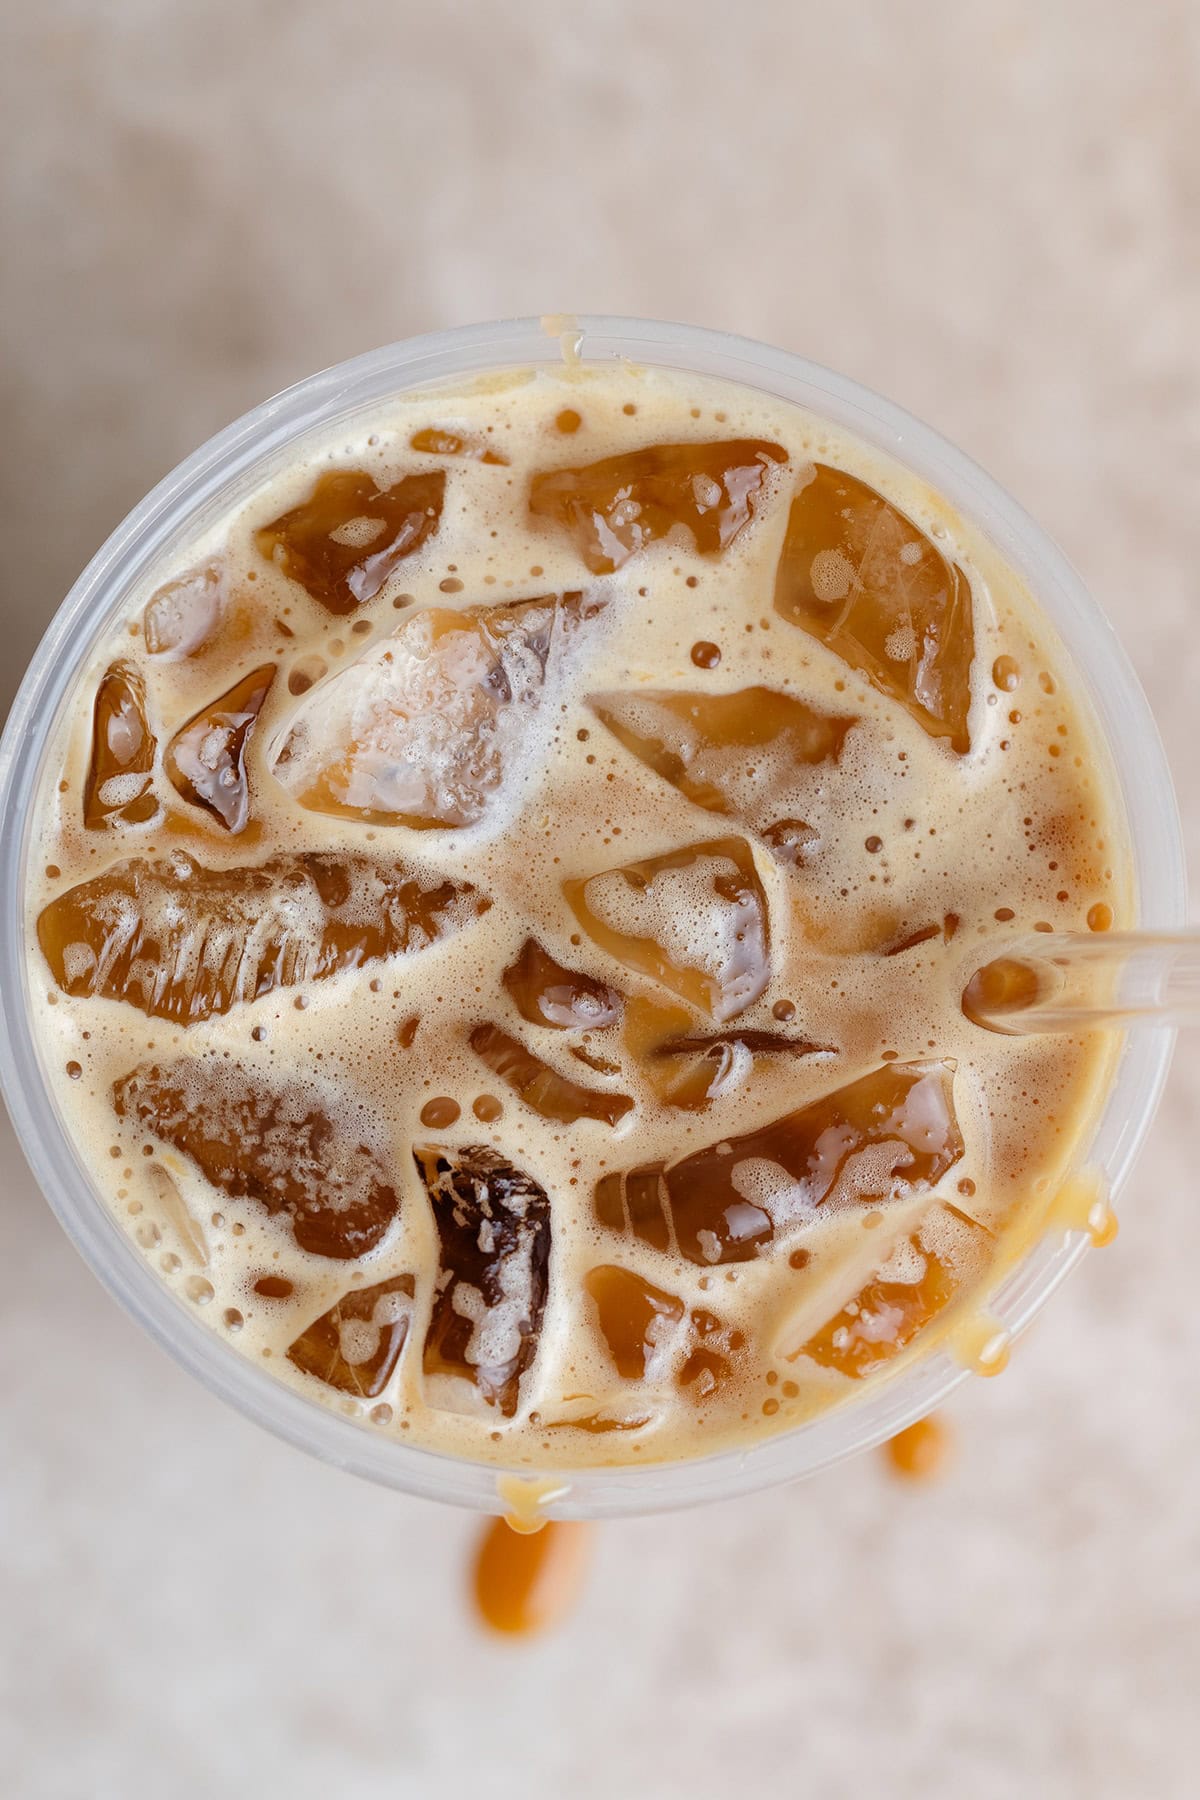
{"points": [[992, 214]]}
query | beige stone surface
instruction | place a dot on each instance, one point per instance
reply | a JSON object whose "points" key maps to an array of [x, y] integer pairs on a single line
{"points": [[991, 213]]}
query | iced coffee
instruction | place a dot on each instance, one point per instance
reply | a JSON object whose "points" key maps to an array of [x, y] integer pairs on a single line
{"points": [[504, 897]]}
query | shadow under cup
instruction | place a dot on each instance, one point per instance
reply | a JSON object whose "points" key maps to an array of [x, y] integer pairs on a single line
{"points": [[228, 469]]}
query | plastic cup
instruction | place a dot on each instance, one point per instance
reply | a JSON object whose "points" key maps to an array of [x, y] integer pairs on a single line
{"points": [[229, 467]]}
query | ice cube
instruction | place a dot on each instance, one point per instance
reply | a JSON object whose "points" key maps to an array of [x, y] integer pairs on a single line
{"points": [[918, 1280], [206, 759], [442, 440], [347, 538], [614, 508], [552, 1095], [183, 942], [861, 577], [421, 729], [183, 616], [889, 1135], [546, 993], [651, 1336], [601, 1423], [684, 1081], [686, 1068], [119, 788], [694, 919], [691, 1070], [175, 1210], [703, 744], [711, 1356], [290, 1146], [637, 1321], [493, 1225], [356, 1345], [758, 1043]]}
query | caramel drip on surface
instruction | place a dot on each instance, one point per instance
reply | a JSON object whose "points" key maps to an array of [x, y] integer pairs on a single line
{"points": [[524, 1583], [921, 1450]]}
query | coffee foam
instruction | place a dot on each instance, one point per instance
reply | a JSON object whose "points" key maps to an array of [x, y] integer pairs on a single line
{"points": [[951, 841]]}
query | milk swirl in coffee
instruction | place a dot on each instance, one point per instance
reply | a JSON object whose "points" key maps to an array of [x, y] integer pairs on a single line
{"points": [[504, 895]]}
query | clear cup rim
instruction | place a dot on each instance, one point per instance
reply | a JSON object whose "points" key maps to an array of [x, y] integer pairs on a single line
{"points": [[231, 457]]}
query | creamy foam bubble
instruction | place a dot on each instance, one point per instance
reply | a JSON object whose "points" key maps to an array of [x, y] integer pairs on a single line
{"points": [[903, 842]]}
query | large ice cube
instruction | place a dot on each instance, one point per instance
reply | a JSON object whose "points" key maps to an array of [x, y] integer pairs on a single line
{"points": [[183, 942], [651, 1336], [887, 1136], [705, 744], [182, 616], [546, 993], [493, 1225], [919, 1278], [421, 729], [694, 919], [343, 542], [294, 1147], [614, 508], [206, 759], [355, 1346], [541, 1087], [861, 577], [119, 787], [637, 1321]]}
